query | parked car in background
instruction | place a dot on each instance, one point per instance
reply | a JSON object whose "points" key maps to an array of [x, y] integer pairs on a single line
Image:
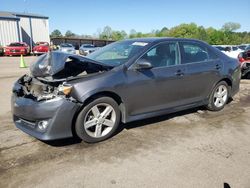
{"points": [[244, 58], [122, 82], [242, 47], [232, 51], [219, 48], [86, 49], [41, 48], [247, 48], [17, 48], [1, 50], [67, 48]]}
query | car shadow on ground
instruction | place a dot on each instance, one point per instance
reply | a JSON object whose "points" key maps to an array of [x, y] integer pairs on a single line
{"points": [[140, 123], [157, 119]]}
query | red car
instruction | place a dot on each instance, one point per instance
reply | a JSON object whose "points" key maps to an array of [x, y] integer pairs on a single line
{"points": [[41, 48], [17, 48], [244, 58]]}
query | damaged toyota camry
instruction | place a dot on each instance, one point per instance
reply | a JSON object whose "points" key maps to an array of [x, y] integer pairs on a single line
{"points": [[68, 95]]}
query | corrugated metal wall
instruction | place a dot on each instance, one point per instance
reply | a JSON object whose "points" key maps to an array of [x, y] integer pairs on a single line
{"points": [[8, 32], [29, 29], [34, 30], [40, 30], [25, 29]]}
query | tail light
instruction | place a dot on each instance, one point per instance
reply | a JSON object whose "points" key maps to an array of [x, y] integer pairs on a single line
{"points": [[240, 57]]}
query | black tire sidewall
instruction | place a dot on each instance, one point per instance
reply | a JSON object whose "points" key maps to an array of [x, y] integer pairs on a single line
{"points": [[80, 131], [211, 106]]}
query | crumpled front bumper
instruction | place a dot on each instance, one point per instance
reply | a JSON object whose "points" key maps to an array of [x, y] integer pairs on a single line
{"points": [[59, 112]]}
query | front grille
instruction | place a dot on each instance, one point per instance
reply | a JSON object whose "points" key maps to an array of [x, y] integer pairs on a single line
{"points": [[14, 50]]}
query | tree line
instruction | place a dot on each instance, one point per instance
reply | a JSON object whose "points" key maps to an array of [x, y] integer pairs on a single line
{"points": [[226, 35]]}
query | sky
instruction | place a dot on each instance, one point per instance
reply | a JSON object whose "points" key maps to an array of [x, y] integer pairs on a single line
{"points": [[90, 16]]}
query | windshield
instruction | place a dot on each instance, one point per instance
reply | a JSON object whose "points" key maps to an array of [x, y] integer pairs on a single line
{"points": [[66, 45], [16, 44], [117, 53]]}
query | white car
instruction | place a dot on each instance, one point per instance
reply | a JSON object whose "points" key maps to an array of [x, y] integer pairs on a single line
{"points": [[67, 48], [86, 49], [232, 51]]}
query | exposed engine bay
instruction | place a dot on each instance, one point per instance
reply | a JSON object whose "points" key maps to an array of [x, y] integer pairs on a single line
{"points": [[51, 72], [34, 89]]}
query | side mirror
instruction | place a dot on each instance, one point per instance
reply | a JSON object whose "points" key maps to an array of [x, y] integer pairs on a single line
{"points": [[143, 64]]}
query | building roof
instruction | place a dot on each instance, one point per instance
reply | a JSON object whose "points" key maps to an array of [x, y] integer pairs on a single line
{"points": [[17, 15], [8, 16]]}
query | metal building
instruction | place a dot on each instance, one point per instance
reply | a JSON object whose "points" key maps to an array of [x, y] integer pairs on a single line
{"points": [[23, 27]]}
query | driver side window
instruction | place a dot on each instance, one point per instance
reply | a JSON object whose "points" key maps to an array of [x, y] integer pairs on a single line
{"points": [[163, 55]]}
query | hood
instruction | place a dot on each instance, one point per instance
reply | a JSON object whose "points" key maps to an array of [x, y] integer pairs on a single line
{"points": [[60, 65]]}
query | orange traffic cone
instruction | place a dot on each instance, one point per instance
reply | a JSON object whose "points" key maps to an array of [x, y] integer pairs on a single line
{"points": [[22, 63]]}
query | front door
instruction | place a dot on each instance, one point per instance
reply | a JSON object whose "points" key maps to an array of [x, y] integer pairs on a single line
{"points": [[160, 87]]}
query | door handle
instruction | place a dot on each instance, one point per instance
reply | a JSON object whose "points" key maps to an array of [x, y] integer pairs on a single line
{"points": [[218, 67], [179, 73]]}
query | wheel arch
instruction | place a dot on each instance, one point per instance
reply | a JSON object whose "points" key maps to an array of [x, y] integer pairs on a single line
{"points": [[227, 80], [96, 95]]}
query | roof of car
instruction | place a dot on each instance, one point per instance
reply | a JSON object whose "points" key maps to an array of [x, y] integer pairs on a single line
{"points": [[159, 39]]}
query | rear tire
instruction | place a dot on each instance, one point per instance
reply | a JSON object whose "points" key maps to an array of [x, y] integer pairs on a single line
{"points": [[219, 97], [98, 120]]}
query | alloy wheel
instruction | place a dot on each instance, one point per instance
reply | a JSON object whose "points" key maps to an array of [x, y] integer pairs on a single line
{"points": [[220, 96], [99, 120]]}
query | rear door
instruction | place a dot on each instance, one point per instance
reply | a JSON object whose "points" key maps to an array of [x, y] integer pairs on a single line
{"points": [[203, 70]]}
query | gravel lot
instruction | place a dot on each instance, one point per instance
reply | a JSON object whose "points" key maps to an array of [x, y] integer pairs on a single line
{"points": [[193, 148]]}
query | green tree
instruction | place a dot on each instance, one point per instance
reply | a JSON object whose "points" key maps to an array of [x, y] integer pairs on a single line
{"points": [[118, 35], [106, 33], [164, 32], [70, 34], [185, 31], [231, 26], [214, 36], [132, 33], [56, 33]]}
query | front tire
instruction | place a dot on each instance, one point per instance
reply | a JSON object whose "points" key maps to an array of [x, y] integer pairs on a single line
{"points": [[98, 120], [219, 97]]}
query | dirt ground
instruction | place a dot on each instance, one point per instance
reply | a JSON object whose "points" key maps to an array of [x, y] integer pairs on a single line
{"points": [[193, 148]]}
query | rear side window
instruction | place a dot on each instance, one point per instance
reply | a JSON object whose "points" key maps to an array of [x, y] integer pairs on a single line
{"points": [[194, 52]]}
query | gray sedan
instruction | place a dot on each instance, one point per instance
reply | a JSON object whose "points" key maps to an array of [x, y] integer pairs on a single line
{"points": [[86, 49], [124, 81], [67, 48]]}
